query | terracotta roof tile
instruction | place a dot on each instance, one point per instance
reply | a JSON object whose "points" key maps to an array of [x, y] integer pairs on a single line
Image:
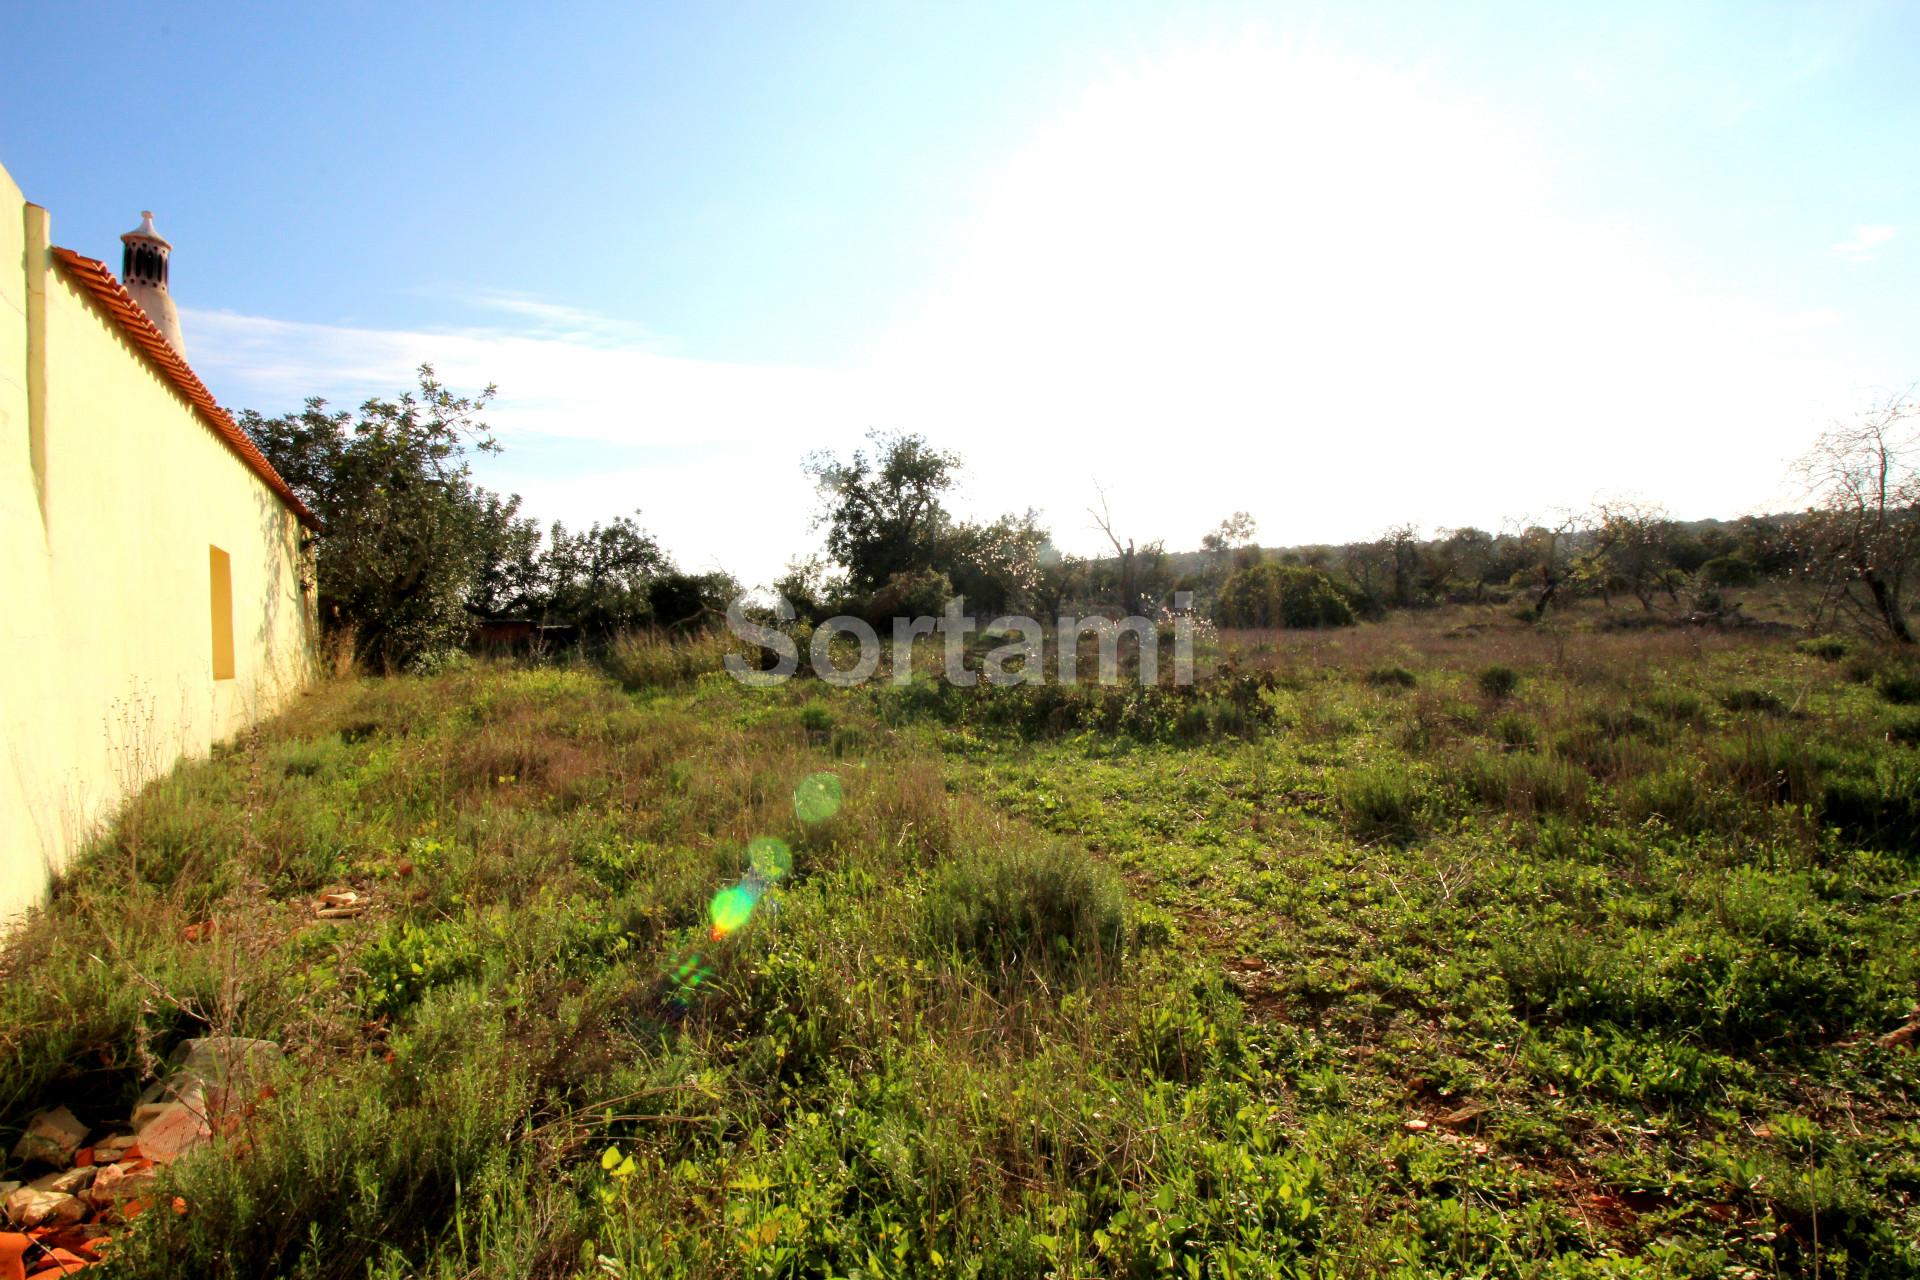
{"points": [[106, 289]]}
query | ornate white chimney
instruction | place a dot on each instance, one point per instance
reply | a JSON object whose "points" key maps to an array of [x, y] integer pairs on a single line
{"points": [[143, 269]]}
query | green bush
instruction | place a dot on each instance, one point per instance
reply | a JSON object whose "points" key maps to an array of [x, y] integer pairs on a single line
{"points": [[1825, 648], [1524, 784], [1282, 595], [1752, 700], [1677, 705], [1515, 732], [816, 717], [919, 594], [1729, 571], [1015, 911], [1901, 688], [1381, 802], [1499, 681]]}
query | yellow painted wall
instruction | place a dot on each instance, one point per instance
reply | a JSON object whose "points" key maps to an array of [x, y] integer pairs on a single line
{"points": [[106, 594]]}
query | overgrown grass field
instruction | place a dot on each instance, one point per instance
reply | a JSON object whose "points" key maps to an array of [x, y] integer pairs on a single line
{"points": [[1439, 947]]}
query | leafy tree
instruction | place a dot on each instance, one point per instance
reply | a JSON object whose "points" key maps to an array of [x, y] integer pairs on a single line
{"points": [[690, 601], [882, 507], [889, 528], [602, 581], [1390, 571], [996, 566], [812, 588], [1063, 578], [1545, 556], [1861, 538], [405, 525], [508, 578], [1235, 533], [1281, 595]]}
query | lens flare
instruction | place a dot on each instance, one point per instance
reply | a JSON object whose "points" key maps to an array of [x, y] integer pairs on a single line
{"points": [[818, 797], [732, 907], [683, 975], [769, 858]]}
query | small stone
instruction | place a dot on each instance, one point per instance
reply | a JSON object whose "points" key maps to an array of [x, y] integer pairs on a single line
{"points": [[51, 1138], [109, 1150], [120, 1182], [1416, 1126], [67, 1182], [28, 1208]]}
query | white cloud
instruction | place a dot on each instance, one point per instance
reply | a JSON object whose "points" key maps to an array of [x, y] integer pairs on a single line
{"points": [[1865, 242], [722, 443]]}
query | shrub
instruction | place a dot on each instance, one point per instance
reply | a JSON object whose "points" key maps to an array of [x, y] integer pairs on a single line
{"points": [[1499, 681], [1052, 911], [1390, 678], [1677, 705], [1729, 571], [1746, 700], [1515, 732], [1282, 595], [1525, 785], [1381, 802], [1825, 648], [919, 594], [1901, 688]]}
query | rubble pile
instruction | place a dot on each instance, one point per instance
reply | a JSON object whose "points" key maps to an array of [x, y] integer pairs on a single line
{"points": [[71, 1186]]}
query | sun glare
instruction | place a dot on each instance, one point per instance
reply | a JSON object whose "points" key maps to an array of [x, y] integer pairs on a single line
{"points": [[1287, 251]]}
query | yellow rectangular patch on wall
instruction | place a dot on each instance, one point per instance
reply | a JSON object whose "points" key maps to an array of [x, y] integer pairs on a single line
{"points": [[220, 573]]}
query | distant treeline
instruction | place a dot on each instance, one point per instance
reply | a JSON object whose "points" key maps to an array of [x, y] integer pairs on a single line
{"points": [[415, 553]]}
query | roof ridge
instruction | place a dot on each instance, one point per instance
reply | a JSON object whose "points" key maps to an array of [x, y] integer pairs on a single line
{"points": [[132, 319]]}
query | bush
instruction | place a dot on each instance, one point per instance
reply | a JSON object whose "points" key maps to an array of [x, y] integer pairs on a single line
{"points": [[1282, 595], [1744, 700], [1499, 681], [1825, 648], [1525, 785], [1901, 688], [1729, 571], [1390, 678], [1052, 911], [1677, 705], [1381, 803], [920, 594]]}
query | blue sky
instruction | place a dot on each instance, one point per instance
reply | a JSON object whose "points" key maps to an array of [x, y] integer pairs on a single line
{"points": [[1342, 265]]}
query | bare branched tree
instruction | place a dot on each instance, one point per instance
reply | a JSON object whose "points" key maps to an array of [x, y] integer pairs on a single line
{"points": [[1633, 551], [1861, 536], [1151, 558]]}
